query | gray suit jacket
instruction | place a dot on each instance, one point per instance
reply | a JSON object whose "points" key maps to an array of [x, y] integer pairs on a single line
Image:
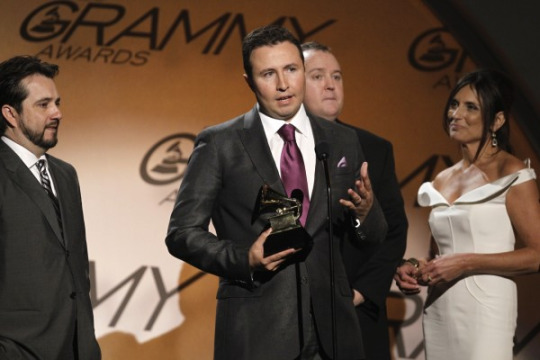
{"points": [[44, 284], [264, 317]]}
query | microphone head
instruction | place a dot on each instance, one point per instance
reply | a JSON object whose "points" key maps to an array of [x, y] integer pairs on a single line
{"points": [[298, 195], [322, 150]]}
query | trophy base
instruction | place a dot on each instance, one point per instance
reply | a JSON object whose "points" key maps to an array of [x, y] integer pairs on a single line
{"points": [[295, 237]]}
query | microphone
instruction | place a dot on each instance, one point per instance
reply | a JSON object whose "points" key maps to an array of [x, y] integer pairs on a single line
{"points": [[298, 195], [322, 150]]}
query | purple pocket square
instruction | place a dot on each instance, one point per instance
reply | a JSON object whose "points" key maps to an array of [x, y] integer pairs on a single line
{"points": [[342, 163]]}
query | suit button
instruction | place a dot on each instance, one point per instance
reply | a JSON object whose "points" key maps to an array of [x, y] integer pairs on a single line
{"points": [[67, 253], [304, 280], [73, 295]]}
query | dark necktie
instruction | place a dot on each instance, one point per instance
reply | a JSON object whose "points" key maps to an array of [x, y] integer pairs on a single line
{"points": [[46, 184], [293, 172]]}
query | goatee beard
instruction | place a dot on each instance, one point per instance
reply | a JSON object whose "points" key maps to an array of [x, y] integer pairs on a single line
{"points": [[37, 138]]}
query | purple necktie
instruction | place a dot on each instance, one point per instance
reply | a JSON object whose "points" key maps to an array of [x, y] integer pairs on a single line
{"points": [[293, 172]]}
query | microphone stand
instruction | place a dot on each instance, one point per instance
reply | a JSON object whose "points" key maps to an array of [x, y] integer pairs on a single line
{"points": [[322, 154]]}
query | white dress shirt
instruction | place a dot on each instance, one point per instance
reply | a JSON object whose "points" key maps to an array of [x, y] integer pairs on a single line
{"points": [[304, 140], [29, 159]]}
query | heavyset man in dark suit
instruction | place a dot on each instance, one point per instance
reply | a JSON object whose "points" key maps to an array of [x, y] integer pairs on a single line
{"points": [[45, 310], [369, 265], [279, 306]]}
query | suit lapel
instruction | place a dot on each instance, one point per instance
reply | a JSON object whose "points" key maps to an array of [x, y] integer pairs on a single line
{"points": [[316, 217], [252, 136], [61, 182], [256, 145], [27, 182]]}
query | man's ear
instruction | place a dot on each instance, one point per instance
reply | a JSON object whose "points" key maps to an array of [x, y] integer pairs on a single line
{"points": [[249, 82], [10, 114], [499, 121]]}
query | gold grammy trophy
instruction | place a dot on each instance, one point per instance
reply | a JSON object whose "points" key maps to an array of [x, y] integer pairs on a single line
{"points": [[282, 214]]}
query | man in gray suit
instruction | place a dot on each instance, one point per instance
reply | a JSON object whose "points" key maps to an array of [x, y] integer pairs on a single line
{"points": [[45, 310], [277, 306]]}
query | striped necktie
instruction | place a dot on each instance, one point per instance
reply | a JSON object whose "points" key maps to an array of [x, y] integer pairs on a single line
{"points": [[46, 184]]}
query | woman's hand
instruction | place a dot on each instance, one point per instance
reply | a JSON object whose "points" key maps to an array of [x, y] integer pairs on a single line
{"points": [[443, 269]]}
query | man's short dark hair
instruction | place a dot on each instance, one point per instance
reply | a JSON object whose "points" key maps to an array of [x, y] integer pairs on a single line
{"points": [[12, 72], [264, 36], [314, 45]]}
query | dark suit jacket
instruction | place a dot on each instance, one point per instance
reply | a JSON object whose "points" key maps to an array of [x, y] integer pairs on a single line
{"points": [[370, 265], [44, 284], [262, 318]]}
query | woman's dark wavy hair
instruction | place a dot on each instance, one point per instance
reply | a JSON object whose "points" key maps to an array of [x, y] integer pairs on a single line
{"points": [[495, 94]]}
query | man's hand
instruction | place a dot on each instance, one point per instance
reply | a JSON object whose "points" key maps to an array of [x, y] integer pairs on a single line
{"points": [[405, 277], [257, 261], [358, 298], [361, 200]]}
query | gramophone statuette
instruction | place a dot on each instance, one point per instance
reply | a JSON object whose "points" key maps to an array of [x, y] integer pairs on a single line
{"points": [[282, 214]]}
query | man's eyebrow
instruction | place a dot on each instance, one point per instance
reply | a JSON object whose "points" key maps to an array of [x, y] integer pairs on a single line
{"points": [[44, 99], [47, 99], [266, 69]]}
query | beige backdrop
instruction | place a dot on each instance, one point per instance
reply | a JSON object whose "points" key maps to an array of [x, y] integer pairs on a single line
{"points": [[139, 79]]}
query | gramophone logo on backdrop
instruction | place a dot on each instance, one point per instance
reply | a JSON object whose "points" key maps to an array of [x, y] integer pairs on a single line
{"points": [[115, 38], [62, 20], [166, 161], [435, 50], [49, 24]]}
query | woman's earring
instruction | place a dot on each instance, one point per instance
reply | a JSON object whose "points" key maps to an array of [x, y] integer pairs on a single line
{"points": [[494, 142]]}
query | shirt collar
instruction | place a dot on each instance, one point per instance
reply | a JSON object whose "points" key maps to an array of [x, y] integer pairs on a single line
{"points": [[28, 158], [300, 121]]}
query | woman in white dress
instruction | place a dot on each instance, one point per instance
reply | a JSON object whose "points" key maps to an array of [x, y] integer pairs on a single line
{"points": [[480, 207]]}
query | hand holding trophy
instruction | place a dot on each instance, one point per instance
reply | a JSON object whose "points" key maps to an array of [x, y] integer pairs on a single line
{"points": [[282, 215]]}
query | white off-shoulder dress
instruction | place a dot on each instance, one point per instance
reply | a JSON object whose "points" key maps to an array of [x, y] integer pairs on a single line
{"points": [[473, 318]]}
